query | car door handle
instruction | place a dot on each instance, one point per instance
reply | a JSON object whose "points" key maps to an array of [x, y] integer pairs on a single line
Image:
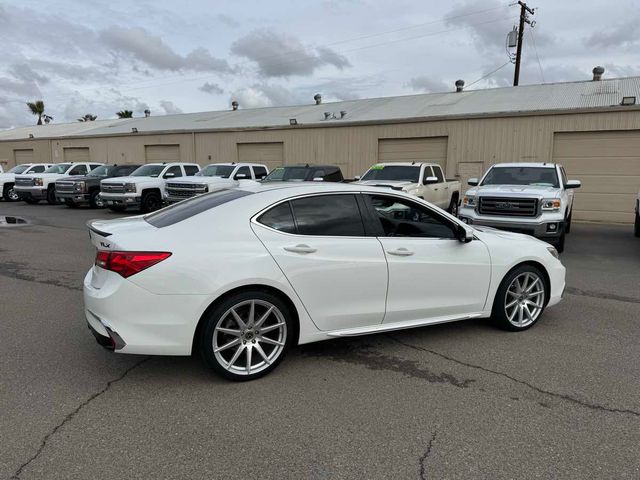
{"points": [[400, 252], [300, 248]]}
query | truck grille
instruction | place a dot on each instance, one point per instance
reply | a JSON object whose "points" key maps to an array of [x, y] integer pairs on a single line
{"points": [[24, 182], [112, 187], [512, 207], [185, 190], [64, 187]]}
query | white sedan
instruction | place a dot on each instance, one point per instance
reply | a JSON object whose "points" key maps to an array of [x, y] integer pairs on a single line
{"points": [[241, 275]]}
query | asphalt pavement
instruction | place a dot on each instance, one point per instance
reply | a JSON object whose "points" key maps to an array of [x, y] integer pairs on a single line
{"points": [[461, 400]]}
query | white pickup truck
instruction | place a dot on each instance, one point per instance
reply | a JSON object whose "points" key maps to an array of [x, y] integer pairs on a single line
{"points": [[531, 198], [34, 187], [424, 180], [144, 189], [213, 177], [8, 179]]}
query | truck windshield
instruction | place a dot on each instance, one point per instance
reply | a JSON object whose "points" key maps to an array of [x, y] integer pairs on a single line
{"points": [[534, 176], [287, 174], [148, 171], [393, 172], [59, 168], [103, 171], [223, 171], [18, 169]]}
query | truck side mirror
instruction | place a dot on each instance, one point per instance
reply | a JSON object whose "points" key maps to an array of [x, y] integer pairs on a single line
{"points": [[169, 175], [240, 176], [430, 180], [473, 182], [318, 179], [573, 184]]}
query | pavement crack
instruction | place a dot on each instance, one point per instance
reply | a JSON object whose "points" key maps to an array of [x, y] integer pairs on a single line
{"points": [[71, 415], [562, 396], [425, 456], [603, 295], [16, 270]]}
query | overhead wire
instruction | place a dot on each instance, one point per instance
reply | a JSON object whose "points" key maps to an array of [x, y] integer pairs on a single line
{"points": [[535, 49], [490, 73]]}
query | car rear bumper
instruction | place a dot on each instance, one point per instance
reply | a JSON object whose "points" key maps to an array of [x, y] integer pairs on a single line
{"points": [[130, 319], [545, 226], [36, 193]]}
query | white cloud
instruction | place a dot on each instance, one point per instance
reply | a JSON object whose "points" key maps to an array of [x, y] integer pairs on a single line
{"points": [[169, 107], [212, 88]]}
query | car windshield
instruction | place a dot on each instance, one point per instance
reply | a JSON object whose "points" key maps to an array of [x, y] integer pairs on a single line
{"points": [[534, 176], [103, 171], [223, 171], [59, 168], [18, 169], [393, 172], [148, 171], [287, 174]]}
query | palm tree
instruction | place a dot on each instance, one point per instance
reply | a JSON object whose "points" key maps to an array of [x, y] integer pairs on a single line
{"points": [[125, 114], [37, 108], [88, 118]]}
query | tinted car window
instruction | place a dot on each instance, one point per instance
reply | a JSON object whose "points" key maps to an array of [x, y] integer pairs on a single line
{"points": [[191, 170], [331, 215], [260, 172], [438, 173], [522, 176], [243, 171], [192, 206], [409, 173], [177, 172], [403, 218], [37, 169], [125, 171], [279, 218], [79, 170]]}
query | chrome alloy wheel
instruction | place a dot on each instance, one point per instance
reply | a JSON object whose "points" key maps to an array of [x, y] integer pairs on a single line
{"points": [[13, 195], [249, 337], [524, 300]]}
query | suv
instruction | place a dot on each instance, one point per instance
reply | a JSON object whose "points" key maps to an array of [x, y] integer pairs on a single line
{"points": [[144, 188], [305, 173], [213, 177], [78, 190], [39, 186], [8, 179], [531, 198], [424, 180]]}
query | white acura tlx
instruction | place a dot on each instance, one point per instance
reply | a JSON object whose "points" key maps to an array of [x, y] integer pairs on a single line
{"points": [[240, 275]]}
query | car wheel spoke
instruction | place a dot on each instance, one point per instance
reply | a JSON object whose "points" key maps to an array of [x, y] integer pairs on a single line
{"points": [[264, 317], [511, 303], [235, 357], [229, 331], [238, 319], [271, 327], [532, 285], [249, 358], [270, 341], [258, 347], [252, 314], [230, 344]]}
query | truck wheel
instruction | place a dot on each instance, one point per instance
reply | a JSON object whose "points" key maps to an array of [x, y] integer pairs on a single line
{"points": [[453, 206], [636, 227], [71, 204], [95, 201], [559, 243], [51, 195], [150, 201], [567, 224], [117, 208], [9, 193]]}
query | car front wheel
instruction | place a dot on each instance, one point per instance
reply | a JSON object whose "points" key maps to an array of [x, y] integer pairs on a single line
{"points": [[247, 335], [10, 194], [151, 201], [520, 299]]}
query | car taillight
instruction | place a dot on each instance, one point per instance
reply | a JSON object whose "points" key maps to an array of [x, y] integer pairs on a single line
{"points": [[128, 263]]}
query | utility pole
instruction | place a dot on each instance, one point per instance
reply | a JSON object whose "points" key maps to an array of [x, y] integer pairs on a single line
{"points": [[523, 18]]}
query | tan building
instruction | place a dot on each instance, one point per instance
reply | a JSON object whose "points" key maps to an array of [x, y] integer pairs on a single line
{"points": [[591, 127]]}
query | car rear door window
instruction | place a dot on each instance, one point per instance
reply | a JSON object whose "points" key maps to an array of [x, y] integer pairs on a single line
{"points": [[176, 170], [37, 169], [279, 218], [260, 172], [243, 173], [438, 173], [191, 170], [328, 215]]}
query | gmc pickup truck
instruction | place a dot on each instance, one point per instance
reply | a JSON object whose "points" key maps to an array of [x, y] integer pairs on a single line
{"points": [[424, 180], [213, 177], [39, 186], [76, 191], [144, 189], [531, 198], [8, 179]]}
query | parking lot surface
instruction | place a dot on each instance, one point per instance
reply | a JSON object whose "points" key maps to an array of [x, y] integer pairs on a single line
{"points": [[461, 400]]}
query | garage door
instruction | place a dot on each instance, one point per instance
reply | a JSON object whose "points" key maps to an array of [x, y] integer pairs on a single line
{"points": [[23, 156], [428, 149], [608, 164], [76, 154], [161, 153], [270, 154]]}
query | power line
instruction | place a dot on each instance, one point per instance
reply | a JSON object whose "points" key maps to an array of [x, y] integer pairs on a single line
{"points": [[535, 49], [490, 73]]}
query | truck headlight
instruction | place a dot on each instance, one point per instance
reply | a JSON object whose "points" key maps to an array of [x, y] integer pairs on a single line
{"points": [[80, 186], [37, 182], [469, 201], [551, 204], [130, 187]]}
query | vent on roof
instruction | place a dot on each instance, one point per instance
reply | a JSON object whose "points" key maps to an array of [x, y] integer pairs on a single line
{"points": [[597, 73], [318, 98], [459, 85], [234, 105], [147, 113]]}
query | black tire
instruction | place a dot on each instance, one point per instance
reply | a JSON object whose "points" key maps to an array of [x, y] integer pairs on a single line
{"points": [[71, 204], [9, 193], [51, 195], [499, 313], [220, 317], [150, 201], [636, 227], [567, 224], [559, 242], [94, 201], [117, 208], [453, 206], [31, 201]]}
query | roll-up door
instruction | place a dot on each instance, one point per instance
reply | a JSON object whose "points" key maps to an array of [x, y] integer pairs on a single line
{"points": [[608, 165], [76, 154], [427, 149], [23, 156], [270, 154], [161, 153]]}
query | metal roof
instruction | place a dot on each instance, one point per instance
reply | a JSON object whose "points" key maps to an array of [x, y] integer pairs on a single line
{"points": [[524, 99]]}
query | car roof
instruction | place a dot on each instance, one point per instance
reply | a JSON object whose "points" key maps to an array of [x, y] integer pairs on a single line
{"points": [[526, 164], [301, 188], [406, 164]]}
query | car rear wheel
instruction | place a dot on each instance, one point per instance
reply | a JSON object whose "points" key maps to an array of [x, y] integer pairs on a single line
{"points": [[247, 335], [520, 299], [95, 201], [150, 201]]}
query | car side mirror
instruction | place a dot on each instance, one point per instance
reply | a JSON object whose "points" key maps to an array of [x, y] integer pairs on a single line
{"points": [[240, 176], [464, 234], [318, 179], [356, 178], [430, 180], [473, 182], [573, 184]]}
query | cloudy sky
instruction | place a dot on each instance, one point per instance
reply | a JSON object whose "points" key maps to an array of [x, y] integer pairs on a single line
{"points": [[172, 57]]}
